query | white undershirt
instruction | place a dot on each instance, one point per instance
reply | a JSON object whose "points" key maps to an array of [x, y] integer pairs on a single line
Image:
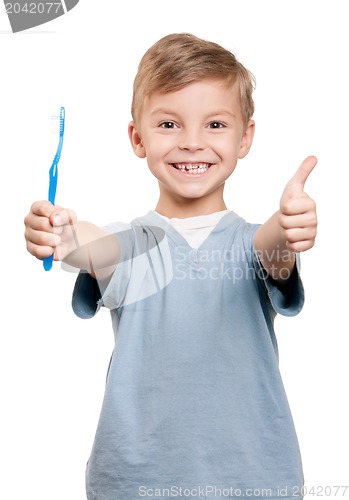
{"points": [[195, 229]]}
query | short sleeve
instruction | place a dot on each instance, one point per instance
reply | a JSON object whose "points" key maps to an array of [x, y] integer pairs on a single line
{"points": [[144, 268], [287, 300], [87, 297]]}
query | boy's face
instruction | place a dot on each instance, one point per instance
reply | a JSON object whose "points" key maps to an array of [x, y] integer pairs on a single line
{"points": [[192, 139]]}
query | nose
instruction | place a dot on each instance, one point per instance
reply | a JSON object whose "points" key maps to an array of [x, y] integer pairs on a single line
{"points": [[191, 140]]}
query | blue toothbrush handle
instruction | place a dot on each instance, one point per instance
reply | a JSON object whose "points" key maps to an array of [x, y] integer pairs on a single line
{"points": [[53, 174], [47, 262]]}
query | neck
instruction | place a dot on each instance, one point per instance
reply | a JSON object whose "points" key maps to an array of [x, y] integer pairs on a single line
{"points": [[182, 208]]}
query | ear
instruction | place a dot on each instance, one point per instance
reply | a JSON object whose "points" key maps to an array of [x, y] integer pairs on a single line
{"points": [[247, 138], [136, 141]]}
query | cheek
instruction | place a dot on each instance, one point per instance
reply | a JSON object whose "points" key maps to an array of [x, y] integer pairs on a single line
{"points": [[226, 141], [155, 158], [159, 147], [227, 147]]}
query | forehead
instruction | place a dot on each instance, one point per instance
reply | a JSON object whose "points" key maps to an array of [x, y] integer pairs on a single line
{"points": [[206, 95]]}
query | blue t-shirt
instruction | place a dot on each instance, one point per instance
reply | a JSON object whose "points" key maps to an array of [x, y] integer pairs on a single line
{"points": [[194, 404]]}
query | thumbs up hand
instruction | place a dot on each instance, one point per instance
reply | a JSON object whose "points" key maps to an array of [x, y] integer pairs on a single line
{"points": [[297, 218]]}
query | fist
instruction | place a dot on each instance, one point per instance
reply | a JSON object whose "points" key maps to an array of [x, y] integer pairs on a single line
{"points": [[49, 230], [298, 218]]}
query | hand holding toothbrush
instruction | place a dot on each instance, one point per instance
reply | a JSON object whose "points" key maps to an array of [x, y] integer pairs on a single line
{"points": [[53, 230], [49, 230]]}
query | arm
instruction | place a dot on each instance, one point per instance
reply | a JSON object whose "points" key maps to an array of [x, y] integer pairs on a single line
{"points": [[291, 229], [51, 229]]}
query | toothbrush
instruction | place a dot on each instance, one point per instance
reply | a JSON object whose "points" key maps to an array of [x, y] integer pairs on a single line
{"points": [[53, 176]]}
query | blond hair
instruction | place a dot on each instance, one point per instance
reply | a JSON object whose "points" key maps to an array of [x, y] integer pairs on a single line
{"points": [[177, 60]]}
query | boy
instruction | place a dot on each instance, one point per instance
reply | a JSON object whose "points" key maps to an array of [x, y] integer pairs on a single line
{"points": [[194, 404]]}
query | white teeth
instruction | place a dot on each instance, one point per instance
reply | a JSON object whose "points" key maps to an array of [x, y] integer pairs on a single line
{"points": [[192, 168]]}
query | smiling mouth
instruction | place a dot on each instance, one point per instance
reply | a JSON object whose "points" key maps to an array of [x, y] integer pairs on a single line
{"points": [[192, 168]]}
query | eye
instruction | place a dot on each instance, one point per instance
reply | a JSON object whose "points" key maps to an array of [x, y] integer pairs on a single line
{"points": [[216, 125], [168, 125]]}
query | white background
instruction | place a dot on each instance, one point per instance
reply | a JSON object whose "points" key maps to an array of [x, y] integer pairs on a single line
{"points": [[53, 365]]}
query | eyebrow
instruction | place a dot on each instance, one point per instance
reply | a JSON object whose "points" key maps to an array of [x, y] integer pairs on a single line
{"points": [[219, 112], [163, 111]]}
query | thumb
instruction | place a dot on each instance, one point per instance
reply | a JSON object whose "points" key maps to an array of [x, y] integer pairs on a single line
{"points": [[295, 185], [62, 216]]}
